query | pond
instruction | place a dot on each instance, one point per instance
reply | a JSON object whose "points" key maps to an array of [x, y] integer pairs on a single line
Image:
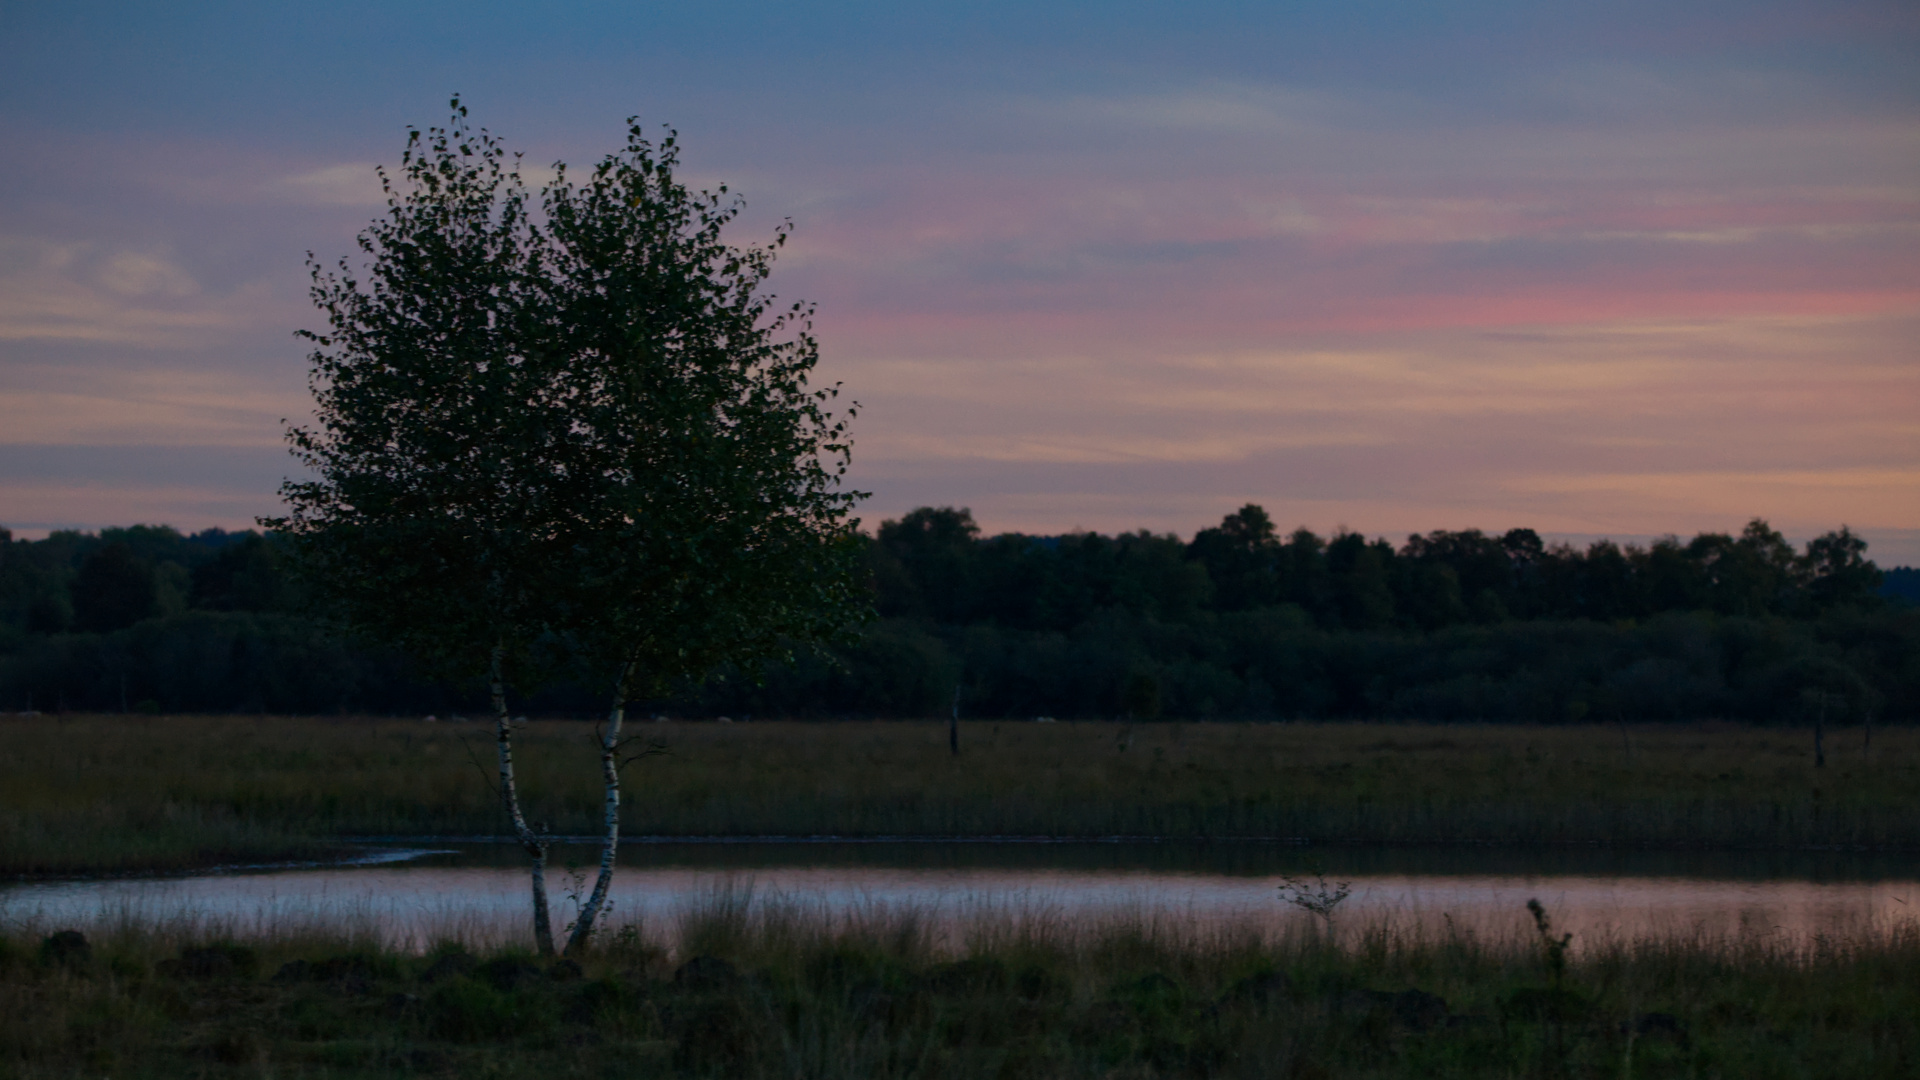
{"points": [[479, 891]]}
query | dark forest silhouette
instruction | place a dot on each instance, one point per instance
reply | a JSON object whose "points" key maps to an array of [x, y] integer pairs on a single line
{"points": [[1240, 622]]}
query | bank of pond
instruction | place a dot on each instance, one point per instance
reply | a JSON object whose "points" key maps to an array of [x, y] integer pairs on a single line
{"points": [[917, 960]]}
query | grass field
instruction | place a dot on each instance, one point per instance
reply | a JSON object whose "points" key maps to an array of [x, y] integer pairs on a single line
{"points": [[111, 793], [744, 990]]}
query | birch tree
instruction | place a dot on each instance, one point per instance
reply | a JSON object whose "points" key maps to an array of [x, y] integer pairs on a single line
{"points": [[596, 429], [706, 516], [426, 522]]}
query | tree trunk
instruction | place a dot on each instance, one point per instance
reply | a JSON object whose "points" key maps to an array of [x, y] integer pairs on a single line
{"points": [[535, 846], [1819, 732], [610, 841], [953, 722]]}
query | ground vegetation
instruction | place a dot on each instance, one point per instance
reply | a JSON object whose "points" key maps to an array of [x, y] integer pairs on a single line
{"points": [[113, 793], [742, 991]]}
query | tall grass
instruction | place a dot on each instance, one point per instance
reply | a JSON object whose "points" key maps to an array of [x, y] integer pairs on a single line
{"points": [[753, 987], [151, 793]]}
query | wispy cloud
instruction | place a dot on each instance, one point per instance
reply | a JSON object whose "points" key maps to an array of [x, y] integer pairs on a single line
{"points": [[146, 406], [1627, 427], [1622, 271], [89, 291], [1215, 108], [353, 184]]}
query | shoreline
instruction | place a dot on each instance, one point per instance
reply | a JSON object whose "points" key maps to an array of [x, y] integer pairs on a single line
{"points": [[380, 850]]}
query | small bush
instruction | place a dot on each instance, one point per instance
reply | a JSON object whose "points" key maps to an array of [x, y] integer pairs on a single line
{"points": [[466, 1010], [218, 961], [66, 948]]}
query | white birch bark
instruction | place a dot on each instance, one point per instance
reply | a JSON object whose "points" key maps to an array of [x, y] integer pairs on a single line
{"points": [[536, 847], [610, 840]]}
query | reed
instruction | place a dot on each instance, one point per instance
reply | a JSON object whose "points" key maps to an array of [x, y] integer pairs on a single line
{"points": [[742, 986], [111, 793]]}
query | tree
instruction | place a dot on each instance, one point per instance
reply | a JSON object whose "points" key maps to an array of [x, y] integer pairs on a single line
{"points": [[1240, 556], [113, 590], [1838, 570], [697, 480], [246, 575], [586, 440], [1361, 574], [1748, 576], [428, 524], [937, 548]]}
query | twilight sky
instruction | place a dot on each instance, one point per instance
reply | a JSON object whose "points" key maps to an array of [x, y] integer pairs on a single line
{"points": [[1621, 269]]}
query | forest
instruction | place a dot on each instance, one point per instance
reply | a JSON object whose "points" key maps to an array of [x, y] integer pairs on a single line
{"points": [[1241, 622]]}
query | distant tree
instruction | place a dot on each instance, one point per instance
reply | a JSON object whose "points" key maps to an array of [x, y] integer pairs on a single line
{"points": [[1901, 585], [1362, 580], [1825, 689], [1482, 565], [31, 594], [1671, 580], [1022, 581], [895, 594], [936, 547], [1242, 556], [1303, 578], [245, 575], [113, 590], [151, 543], [1427, 594], [1153, 578], [1527, 556], [48, 612], [1606, 587], [1141, 696], [1751, 575], [1837, 570]]}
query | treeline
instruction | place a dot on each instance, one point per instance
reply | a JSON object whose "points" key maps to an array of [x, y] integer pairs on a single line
{"points": [[148, 619], [1244, 622], [1240, 622], [934, 564]]}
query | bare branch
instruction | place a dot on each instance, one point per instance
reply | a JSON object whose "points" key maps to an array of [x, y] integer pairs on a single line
{"points": [[652, 749], [486, 777]]}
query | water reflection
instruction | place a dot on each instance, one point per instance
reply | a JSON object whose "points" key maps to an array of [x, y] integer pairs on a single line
{"points": [[481, 891], [1237, 859]]}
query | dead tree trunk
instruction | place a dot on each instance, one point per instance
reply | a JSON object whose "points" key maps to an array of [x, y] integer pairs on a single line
{"points": [[953, 721], [610, 839], [1819, 734], [533, 843]]}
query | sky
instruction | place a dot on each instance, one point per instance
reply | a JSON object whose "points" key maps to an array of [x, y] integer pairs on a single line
{"points": [[1622, 269]]}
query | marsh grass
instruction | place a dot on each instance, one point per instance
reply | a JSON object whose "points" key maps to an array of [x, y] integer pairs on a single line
{"points": [[110, 793], [748, 986]]}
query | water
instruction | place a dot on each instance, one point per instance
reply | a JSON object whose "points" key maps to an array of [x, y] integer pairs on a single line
{"points": [[481, 891]]}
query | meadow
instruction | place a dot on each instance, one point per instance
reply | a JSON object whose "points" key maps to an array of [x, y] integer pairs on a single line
{"points": [[115, 794], [738, 988]]}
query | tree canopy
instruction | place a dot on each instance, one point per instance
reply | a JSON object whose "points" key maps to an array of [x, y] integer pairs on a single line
{"points": [[698, 474], [585, 434], [583, 421], [428, 522]]}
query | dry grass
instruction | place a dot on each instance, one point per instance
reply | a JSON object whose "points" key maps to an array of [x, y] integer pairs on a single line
{"points": [[116, 793], [779, 992]]}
